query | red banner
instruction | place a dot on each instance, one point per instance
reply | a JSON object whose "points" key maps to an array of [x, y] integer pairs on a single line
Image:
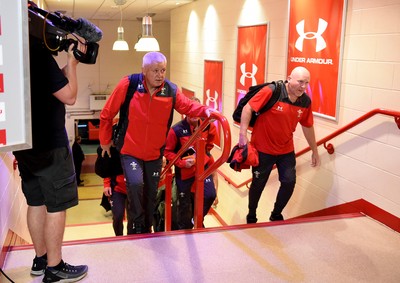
{"points": [[1, 82], [187, 92], [251, 58], [315, 33], [3, 139], [213, 72]]}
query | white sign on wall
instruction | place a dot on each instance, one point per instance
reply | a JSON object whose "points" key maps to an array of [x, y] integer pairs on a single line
{"points": [[15, 127]]}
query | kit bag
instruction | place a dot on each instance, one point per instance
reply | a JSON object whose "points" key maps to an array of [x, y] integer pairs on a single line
{"points": [[253, 90], [108, 166]]}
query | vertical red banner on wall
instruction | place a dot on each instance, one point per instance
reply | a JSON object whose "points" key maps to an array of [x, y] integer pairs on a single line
{"points": [[1, 83], [315, 35], [3, 139], [213, 75], [187, 92], [251, 58]]}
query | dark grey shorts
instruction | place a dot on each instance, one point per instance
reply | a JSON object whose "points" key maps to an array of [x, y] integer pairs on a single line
{"points": [[48, 178]]}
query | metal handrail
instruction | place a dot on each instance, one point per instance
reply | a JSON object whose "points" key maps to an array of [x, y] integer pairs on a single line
{"points": [[329, 147], [201, 174]]}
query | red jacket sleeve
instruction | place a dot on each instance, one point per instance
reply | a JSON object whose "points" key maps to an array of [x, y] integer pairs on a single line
{"points": [[186, 106], [111, 109], [107, 182]]}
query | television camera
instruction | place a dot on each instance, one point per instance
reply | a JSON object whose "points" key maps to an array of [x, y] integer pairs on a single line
{"points": [[53, 30]]}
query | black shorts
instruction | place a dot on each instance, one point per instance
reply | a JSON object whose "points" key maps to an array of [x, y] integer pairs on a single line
{"points": [[48, 178]]}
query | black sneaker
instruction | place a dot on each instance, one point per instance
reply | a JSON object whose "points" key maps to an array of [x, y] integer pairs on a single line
{"points": [[251, 219], [39, 265], [67, 273], [276, 217]]}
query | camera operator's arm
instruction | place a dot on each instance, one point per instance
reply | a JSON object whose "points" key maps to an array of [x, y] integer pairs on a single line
{"points": [[69, 92]]}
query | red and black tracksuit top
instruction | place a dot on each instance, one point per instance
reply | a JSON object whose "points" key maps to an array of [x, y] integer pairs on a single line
{"points": [[178, 135], [273, 130], [148, 118]]}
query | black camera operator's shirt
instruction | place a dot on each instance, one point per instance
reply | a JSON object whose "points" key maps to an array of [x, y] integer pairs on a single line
{"points": [[48, 113]]}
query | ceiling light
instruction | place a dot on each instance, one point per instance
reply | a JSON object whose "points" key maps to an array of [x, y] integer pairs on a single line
{"points": [[120, 44], [147, 42]]}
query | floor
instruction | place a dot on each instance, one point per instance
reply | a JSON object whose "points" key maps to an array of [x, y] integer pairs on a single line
{"points": [[89, 220], [352, 249], [348, 249], [345, 250]]}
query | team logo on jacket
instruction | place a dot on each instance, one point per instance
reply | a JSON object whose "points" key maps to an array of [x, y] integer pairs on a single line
{"points": [[156, 174], [133, 164], [163, 91], [140, 88], [299, 112]]}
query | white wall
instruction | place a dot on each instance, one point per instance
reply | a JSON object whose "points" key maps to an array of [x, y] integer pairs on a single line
{"points": [[101, 77], [365, 163], [111, 66], [366, 159]]}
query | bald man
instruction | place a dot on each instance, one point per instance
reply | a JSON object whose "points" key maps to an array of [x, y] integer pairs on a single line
{"points": [[272, 136]]}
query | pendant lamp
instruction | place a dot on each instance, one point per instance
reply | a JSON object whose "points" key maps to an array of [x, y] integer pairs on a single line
{"points": [[120, 44], [147, 41]]}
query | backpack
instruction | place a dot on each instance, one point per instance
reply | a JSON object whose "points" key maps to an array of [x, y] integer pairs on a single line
{"points": [[252, 91], [120, 129], [108, 166], [159, 213]]}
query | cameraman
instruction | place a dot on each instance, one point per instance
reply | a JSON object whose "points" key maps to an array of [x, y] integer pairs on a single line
{"points": [[47, 170]]}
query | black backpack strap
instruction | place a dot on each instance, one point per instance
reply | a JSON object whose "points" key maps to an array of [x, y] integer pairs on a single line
{"points": [[274, 97], [133, 83], [173, 89], [120, 130]]}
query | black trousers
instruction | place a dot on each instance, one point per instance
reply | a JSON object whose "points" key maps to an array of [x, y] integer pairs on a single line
{"points": [[286, 165]]}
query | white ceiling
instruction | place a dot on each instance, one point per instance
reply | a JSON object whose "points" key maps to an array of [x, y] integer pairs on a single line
{"points": [[109, 10]]}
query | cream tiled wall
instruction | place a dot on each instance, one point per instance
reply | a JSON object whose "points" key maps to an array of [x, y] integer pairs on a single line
{"points": [[13, 205], [365, 163], [366, 159]]}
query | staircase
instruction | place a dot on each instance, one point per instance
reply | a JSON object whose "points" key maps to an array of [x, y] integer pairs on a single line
{"points": [[340, 248]]}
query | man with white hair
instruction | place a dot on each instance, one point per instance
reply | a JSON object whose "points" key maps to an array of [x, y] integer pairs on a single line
{"points": [[149, 119]]}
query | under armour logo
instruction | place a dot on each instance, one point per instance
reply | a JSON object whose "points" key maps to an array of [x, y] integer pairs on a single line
{"points": [[250, 75], [208, 180], [321, 44], [140, 88], [257, 174], [184, 131], [279, 108], [133, 164], [156, 174], [212, 99]]}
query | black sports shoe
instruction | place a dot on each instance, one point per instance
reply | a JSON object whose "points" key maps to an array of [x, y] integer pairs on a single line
{"points": [[251, 219], [276, 217], [67, 273], [39, 265]]}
